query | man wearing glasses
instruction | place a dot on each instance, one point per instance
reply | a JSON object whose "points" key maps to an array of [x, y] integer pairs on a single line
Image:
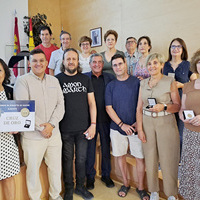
{"points": [[131, 54]]}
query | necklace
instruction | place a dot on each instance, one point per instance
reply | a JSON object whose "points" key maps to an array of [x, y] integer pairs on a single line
{"points": [[153, 82]]}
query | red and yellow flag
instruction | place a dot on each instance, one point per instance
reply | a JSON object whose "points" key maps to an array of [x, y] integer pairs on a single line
{"points": [[16, 45], [31, 41]]}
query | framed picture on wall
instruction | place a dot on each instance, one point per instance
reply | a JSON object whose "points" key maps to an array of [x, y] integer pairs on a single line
{"points": [[96, 36]]}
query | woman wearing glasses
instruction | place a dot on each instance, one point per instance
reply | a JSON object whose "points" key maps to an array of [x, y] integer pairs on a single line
{"points": [[110, 39], [84, 57], [178, 67]]}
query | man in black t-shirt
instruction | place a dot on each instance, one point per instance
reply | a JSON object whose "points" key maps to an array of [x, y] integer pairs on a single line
{"points": [[78, 124]]}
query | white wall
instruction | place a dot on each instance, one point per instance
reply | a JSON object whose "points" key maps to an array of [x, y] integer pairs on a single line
{"points": [[7, 10]]}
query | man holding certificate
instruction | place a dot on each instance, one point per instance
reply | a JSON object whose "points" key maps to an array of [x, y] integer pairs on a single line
{"points": [[44, 141]]}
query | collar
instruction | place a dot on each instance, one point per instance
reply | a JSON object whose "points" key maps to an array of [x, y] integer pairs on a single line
{"points": [[36, 77]]}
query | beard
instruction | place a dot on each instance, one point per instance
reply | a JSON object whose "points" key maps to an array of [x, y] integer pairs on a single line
{"points": [[71, 71]]}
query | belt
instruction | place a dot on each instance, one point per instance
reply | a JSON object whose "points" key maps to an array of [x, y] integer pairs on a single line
{"points": [[155, 114]]}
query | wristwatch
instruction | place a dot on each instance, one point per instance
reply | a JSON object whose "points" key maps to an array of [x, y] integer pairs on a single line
{"points": [[165, 106]]}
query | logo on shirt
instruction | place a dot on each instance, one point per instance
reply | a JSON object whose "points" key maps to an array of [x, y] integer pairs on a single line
{"points": [[74, 87]]}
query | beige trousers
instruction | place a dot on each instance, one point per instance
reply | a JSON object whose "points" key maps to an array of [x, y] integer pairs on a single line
{"points": [[34, 152], [162, 145]]}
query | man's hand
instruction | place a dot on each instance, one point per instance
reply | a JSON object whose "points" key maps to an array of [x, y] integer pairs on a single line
{"points": [[47, 131], [90, 132], [128, 129], [13, 132]]}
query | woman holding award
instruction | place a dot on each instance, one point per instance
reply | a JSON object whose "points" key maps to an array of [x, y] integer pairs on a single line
{"points": [[189, 186], [157, 129], [9, 162]]}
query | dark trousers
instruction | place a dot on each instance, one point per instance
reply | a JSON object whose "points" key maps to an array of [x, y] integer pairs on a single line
{"points": [[104, 130], [74, 141]]}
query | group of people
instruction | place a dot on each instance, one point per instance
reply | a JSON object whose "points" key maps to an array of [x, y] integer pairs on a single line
{"points": [[130, 99]]}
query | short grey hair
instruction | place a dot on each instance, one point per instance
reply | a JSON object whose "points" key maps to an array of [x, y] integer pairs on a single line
{"points": [[95, 55], [159, 56]]}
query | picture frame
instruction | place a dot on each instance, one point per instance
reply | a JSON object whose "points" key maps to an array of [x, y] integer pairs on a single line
{"points": [[96, 36]]}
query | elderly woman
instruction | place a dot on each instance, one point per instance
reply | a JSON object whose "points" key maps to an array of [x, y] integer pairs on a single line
{"points": [[144, 47], [84, 57], [157, 129], [110, 39], [10, 164], [190, 161], [178, 67]]}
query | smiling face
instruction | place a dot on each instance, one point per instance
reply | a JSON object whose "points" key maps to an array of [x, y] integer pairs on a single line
{"points": [[143, 46], [154, 67], [38, 64], [45, 36], [97, 65], [65, 41], [110, 41], [70, 62], [85, 47], [2, 74], [176, 49]]}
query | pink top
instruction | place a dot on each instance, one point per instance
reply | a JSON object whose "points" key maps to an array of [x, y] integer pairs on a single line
{"points": [[141, 71]]}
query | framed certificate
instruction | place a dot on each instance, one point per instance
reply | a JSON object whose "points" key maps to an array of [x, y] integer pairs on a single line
{"points": [[17, 115]]}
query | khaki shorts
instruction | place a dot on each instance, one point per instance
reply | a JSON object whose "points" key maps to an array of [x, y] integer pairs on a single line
{"points": [[120, 144]]}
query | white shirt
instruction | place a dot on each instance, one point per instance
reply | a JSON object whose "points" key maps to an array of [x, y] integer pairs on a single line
{"points": [[56, 61]]}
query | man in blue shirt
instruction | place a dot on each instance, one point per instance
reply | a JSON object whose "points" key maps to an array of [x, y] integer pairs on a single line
{"points": [[121, 102]]}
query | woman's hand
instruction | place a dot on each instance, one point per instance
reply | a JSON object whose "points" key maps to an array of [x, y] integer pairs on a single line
{"points": [[142, 136], [157, 108], [195, 121], [179, 84], [140, 78]]}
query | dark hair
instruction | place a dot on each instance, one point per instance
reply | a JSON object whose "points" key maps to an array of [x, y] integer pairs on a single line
{"points": [[118, 56], [184, 55], [37, 51], [85, 39], [194, 60], [7, 72], [110, 32], [65, 32], [42, 28], [147, 39], [62, 67], [131, 38]]}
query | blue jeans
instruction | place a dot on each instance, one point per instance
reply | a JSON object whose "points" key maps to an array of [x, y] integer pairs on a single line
{"points": [[71, 140], [104, 130]]}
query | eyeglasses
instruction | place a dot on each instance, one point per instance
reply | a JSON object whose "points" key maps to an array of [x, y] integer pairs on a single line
{"points": [[176, 46], [95, 62], [85, 44]]}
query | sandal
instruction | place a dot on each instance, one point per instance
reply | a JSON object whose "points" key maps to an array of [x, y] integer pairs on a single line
{"points": [[124, 189], [142, 193]]}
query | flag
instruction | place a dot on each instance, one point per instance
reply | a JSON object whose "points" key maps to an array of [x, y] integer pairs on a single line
{"points": [[16, 45], [31, 41]]}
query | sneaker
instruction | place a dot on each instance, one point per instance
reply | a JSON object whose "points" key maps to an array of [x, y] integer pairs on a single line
{"points": [[154, 196], [108, 181], [84, 193], [90, 183], [171, 198]]}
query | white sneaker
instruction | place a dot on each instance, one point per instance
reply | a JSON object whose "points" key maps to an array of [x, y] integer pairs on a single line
{"points": [[171, 198], [154, 196]]}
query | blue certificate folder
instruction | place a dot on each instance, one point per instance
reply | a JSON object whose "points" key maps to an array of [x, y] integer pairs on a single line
{"points": [[17, 115]]}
